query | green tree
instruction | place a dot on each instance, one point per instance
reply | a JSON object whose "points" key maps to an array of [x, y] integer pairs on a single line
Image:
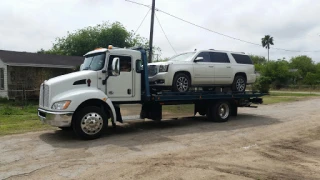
{"points": [[86, 39], [277, 71], [258, 59], [311, 79], [304, 64], [266, 41]]}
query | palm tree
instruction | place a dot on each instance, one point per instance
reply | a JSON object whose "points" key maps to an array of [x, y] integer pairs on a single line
{"points": [[266, 42]]}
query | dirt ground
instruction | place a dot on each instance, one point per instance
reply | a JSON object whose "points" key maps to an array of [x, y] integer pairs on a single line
{"points": [[280, 141]]}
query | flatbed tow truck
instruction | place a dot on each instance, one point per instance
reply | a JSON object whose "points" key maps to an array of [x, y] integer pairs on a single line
{"points": [[84, 101]]}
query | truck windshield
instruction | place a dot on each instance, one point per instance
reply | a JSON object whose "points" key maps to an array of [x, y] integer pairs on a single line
{"points": [[94, 62], [182, 57]]}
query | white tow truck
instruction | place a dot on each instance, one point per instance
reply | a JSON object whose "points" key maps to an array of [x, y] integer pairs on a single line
{"points": [[84, 101]]}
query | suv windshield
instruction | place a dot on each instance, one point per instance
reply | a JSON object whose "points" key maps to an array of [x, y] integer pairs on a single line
{"points": [[94, 62], [182, 57]]}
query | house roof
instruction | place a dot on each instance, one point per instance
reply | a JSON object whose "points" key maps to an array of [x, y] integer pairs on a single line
{"points": [[13, 58]]}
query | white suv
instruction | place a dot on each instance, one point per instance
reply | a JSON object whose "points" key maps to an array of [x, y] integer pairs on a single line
{"points": [[203, 68]]}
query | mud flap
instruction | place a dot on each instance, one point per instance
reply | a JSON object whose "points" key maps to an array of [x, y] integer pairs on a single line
{"points": [[151, 111]]}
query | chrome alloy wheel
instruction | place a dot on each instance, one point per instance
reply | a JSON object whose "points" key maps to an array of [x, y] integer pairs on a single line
{"points": [[91, 123], [182, 84], [224, 110], [240, 85]]}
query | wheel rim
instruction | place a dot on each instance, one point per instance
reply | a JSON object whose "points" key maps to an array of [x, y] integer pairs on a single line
{"points": [[91, 123], [240, 84], [182, 84], [224, 110]]}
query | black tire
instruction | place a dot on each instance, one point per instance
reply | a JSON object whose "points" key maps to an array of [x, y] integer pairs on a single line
{"points": [[239, 84], [80, 127], [66, 128], [181, 78], [214, 111]]}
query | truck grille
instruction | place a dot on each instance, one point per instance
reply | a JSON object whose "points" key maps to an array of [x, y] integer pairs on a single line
{"points": [[44, 96], [41, 96], [152, 70]]}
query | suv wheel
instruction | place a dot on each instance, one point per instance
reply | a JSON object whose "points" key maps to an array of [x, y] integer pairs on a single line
{"points": [[239, 84], [181, 83]]}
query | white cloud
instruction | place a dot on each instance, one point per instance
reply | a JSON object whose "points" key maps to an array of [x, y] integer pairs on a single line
{"points": [[30, 25]]}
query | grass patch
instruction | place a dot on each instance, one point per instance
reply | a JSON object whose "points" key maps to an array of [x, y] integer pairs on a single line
{"points": [[279, 99], [184, 108], [19, 117], [292, 94]]}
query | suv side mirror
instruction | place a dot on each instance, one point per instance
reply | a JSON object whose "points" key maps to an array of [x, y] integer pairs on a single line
{"points": [[198, 59], [115, 69]]}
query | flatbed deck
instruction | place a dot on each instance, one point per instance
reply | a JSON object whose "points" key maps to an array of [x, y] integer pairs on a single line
{"points": [[203, 95]]}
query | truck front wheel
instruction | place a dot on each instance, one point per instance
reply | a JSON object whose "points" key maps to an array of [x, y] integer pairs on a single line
{"points": [[89, 122]]}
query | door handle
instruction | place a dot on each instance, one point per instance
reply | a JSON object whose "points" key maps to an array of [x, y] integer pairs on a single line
{"points": [[228, 67], [129, 91], [211, 66]]}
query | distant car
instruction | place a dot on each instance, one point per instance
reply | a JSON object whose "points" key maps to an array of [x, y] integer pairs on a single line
{"points": [[203, 68]]}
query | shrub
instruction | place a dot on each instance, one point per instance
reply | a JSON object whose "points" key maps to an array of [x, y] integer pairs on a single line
{"points": [[6, 110], [262, 84]]}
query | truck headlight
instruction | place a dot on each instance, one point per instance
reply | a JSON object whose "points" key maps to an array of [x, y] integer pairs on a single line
{"points": [[163, 68], [61, 105]]}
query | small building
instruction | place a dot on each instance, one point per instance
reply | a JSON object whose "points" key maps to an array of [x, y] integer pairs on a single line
{"points": [[21, 73]]}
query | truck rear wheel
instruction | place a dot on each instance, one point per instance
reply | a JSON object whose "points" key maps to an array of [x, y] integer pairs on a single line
{"points": [[89, 122], [219, 111]]}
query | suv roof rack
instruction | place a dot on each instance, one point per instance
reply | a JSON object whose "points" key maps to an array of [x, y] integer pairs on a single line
{"points": [[227, 51]]}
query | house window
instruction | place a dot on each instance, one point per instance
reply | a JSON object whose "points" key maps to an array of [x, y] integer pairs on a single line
{"points": [[1, 79]]}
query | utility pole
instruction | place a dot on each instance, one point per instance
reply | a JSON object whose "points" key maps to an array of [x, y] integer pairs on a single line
{"points": [[151, 30]]}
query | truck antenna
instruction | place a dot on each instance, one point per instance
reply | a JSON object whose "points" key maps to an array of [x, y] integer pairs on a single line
{"points": [[151, 31]]}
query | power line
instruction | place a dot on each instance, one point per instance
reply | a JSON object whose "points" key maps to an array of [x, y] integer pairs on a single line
{"points": [[165, 34], [218, 32], [142, 22]]}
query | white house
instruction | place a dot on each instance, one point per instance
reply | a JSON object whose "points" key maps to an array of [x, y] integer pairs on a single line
{"points": [[21, 73]]}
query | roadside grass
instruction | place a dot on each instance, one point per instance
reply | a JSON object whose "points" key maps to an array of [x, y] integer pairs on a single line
{"points": [[293, 94], [278, 97], [19, 117]]}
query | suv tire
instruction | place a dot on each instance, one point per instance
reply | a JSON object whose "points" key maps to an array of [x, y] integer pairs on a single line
{"points": [[239, 83], [181, 82]]}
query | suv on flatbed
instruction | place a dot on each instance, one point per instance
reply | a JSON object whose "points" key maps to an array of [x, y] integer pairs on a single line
{"points": [[203, 68]]}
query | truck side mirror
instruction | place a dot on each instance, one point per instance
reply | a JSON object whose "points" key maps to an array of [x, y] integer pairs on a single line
{"points": [[81, 67], [139, 66], [115, 69]]}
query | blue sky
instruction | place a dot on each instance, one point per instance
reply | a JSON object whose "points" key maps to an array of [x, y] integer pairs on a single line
{"points": [[30, 25]]}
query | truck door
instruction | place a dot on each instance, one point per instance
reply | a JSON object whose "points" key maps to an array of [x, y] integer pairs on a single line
{"points": [[121, 87]]}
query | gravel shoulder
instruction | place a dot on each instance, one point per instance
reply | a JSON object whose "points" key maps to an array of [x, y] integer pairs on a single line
{"points": [[279, 141]]}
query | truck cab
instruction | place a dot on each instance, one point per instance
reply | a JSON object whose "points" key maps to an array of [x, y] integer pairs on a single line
{"points": [[107, 77]]}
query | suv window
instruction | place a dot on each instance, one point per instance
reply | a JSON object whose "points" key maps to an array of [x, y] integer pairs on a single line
{"points": [[218, 57], [205, 56], [242, 59]]}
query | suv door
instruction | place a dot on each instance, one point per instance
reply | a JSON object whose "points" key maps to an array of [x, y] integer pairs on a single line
{"points": [[203, 70], [223, 72]]}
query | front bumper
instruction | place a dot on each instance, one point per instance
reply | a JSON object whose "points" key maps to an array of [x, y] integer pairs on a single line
{"points": [[160, 79], [54, 118]]}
